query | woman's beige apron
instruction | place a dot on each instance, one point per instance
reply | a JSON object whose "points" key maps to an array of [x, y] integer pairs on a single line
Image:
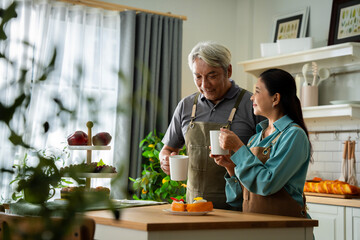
{"points": [[205, 177], [280, 203]]}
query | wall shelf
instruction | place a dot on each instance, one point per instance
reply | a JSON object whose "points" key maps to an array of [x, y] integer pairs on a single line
{"points": [[337, 57], [350, 111], [85, 147]]}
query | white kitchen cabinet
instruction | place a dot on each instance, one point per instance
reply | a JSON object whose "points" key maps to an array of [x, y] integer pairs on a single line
{"points": [[331, 221], [335, 222], [352, 223]]}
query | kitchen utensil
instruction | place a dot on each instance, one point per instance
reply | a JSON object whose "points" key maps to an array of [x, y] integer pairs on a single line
{"points": [[349, 149], [324, 73], [298, 85], [343, 172], [315, 73], [305, 69], [351, 166]]}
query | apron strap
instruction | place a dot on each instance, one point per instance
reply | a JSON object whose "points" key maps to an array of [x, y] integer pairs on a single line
{"points": [[273, 141], [194, 110], [233, 111], [232, 114]]}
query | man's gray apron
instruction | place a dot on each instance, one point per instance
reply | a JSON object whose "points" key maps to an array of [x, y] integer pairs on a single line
{"points": [[205, 177], [280, 203]]}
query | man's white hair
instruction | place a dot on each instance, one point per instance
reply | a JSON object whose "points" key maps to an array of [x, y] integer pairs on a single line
{"points": [[212, 53]]}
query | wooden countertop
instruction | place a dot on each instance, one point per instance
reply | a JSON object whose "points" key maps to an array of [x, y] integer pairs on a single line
{"points": [[355, 202], [153, 218]]}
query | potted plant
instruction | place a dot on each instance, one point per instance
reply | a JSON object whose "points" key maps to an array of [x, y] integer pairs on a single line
{"points": [[154, 184], [37, 184]]}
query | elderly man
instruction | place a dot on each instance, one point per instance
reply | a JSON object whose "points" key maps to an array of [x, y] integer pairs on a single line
{"points": [[209, 109]]}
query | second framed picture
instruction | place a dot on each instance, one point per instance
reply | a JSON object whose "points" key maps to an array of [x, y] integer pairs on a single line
{"points": [[345, 22], [292, 25]]}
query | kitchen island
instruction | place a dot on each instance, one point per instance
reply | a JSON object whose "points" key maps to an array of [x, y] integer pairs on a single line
{"points": [[153, 223]]}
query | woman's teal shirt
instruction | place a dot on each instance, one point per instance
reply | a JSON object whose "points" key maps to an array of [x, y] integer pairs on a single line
{"points": [[286, 167]]}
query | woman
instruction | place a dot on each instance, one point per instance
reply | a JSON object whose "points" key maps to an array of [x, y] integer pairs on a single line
{"points": [[268, 174]]}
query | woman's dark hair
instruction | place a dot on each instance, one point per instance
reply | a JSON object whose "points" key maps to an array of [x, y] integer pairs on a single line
{"points": [[280, 81]]}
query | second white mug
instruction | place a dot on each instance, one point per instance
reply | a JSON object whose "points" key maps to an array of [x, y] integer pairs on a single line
{"points": [[215, 144]]}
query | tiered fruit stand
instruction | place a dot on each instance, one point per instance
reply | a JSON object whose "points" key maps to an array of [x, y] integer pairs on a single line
{"points": [[89, 148]]}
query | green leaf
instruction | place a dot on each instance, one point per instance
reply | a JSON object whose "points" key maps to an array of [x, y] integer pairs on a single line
{"points": [[7, 15], [136, 186], [149, 135], [17, 140], [164, 195], [174, 183], [147, 154], [164, 187], [142, 143], [156, 153], [159, 146], [135, 197], [100, 163], [66, 181]]}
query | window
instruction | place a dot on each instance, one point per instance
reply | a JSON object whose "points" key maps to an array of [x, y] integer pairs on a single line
{"points": [[84, 80]]}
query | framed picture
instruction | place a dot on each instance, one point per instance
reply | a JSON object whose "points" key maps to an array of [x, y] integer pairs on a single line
{"points": [[293, 25], [345, 22]]}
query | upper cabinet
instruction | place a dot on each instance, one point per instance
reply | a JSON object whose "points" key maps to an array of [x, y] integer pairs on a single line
{"points": [[338, 58]]}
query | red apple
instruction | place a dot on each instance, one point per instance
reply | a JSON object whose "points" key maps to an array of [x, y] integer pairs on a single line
{"points": [[78, 138], [101, 139]]}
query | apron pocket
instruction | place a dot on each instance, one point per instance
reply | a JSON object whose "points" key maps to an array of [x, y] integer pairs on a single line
{"points": [[198, 157]]}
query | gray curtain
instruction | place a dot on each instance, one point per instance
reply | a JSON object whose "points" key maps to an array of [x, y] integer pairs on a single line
{"points": [[151, 48]]}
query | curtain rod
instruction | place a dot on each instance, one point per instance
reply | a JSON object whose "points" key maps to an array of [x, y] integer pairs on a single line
{"points": [[118, 7], [336, 131]]}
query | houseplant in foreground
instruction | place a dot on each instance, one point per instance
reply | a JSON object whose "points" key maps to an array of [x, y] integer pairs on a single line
{"points": [[36, 182]]}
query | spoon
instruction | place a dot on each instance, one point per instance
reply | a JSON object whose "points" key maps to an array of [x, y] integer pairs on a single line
{"points": [[324, 73], [315, 73], [304, 72]]}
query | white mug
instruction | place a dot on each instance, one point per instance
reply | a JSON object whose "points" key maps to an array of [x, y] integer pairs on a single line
{"points": [[178, 167], [215, 144]]}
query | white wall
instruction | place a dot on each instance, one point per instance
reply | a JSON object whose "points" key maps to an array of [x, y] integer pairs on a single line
{"points": [[241, 25], [206, 20], [328, 147], [256, 23]]}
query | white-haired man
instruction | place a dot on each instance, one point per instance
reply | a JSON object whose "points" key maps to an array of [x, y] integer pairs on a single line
{"points": [[217, 96]]}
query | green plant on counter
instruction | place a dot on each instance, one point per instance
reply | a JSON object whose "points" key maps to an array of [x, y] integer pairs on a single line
{"points": [[36, 184], [154, 184]]}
